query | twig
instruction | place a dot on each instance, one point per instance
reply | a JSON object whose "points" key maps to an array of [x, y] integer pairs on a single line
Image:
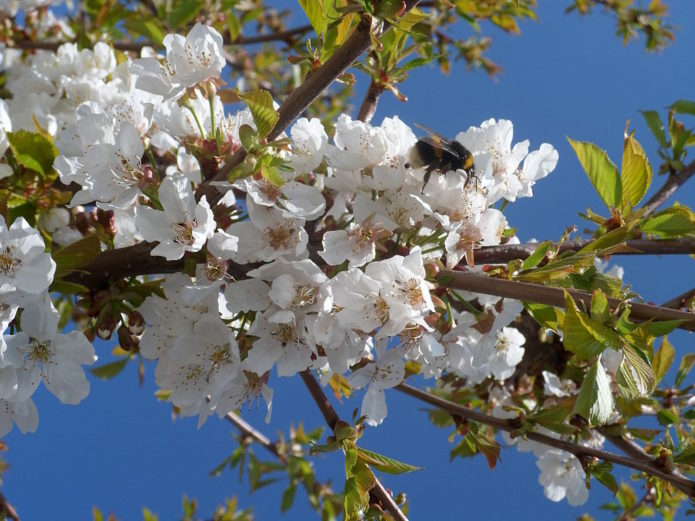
{"points": [[648, 497], [508, 252], [332, 419], [370, 101], [305, 94], [672, 184], [681, 483], [8, 509], [680, 301], [257, 436], [284, 36], [537, 293]]}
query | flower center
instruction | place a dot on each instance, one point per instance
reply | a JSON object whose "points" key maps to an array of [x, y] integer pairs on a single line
{"points": [[8, 263], [183, 233], [280, 237], [40, 351], [304, 296], [286, 334]]}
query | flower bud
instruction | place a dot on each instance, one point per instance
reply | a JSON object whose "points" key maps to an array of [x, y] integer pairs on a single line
{"points": [[136, 323]]}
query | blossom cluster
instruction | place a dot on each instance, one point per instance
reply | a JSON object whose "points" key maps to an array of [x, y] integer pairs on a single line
{"points": [[39, 353], [336, 260]]}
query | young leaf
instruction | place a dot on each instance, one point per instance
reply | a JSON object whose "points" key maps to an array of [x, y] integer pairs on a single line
{"points": [[595, 401], [584, 336], [288, 497], [635, 375], [184, 12], [636, 173], [602, 172], [76, 255], [260, 103], [537, 256], [656, 126], [676, 221], [683, 106], [686, 364], [599, 307], [315, 11], [663, 359], [384, 463], [33, 151], [108, 371]]}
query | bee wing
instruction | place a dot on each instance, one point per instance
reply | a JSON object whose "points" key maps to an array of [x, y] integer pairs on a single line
{"points": [[437, 140]]}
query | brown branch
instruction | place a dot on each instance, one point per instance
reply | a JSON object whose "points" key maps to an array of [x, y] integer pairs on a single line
{"points": [[508, 252], [681, 300], [306, 93], [249, 431], [8, 509], [672, 184], [537, 293], [681, 483], [370, 101], [332, 419]]}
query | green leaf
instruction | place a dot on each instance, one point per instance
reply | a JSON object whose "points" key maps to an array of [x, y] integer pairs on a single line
{"points": [[147, 515], [357, 489], [602, 172], [260, 103], [666, 417], [599, 307], [686, 364], [76, 255], [686, 456], [663, 359], [607, 479], [384, 463], [248, 137], [543, 314], [487, 447], [635, 375], [656, 126], [315, 11], [270, 173], [584, 336], [636, 173], [676, 221], [537, 256], [108, 371], [148, 27], [184, 12], [683, 106], [33, 151], [288, 497], [594, 400], [67, 288]]}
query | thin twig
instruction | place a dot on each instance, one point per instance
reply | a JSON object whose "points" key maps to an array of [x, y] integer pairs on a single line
{"points": [[648, 497], [370, 101], [540, 294], [248, 430], [8, 509], [508, 252], [332, 419], [681, 483], [282, 36], [672, 184]]}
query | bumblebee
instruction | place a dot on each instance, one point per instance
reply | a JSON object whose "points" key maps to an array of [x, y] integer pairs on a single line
{"points": [[439, 154]]}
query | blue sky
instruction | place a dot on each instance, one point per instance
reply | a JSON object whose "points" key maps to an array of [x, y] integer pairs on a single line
{"points": [[565, 76]]}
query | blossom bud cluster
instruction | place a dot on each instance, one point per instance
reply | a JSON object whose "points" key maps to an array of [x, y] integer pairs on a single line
{"points": [[334, 262]]}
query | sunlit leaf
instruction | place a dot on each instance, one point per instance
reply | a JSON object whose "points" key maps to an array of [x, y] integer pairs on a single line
{"points": [[602, 172]]}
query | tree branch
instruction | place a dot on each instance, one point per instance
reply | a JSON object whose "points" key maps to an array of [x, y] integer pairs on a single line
{"points": [[283, 36], [508, 252], [370, 101], [537, 293], [681, 483], [680, 301], [332, 419], [672, 184], [8, 509], [249, 431]]}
